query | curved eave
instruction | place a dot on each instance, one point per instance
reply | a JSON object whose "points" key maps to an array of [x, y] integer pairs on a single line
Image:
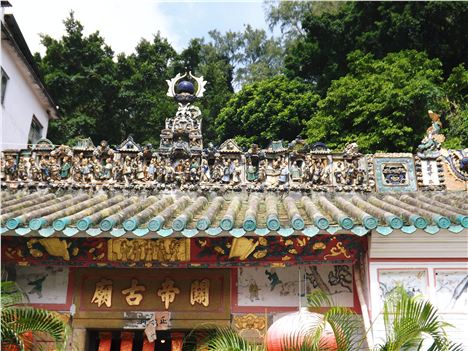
{"points": [[217, 231]]}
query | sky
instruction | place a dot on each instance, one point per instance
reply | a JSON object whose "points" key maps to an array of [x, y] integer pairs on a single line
{"points": [[124, 23]]}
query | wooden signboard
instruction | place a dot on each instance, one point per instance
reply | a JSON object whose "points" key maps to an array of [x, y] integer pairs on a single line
{"points": [[131, 298]]}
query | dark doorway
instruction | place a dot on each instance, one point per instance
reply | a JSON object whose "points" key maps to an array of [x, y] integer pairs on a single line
{"points": [[95, 337]]}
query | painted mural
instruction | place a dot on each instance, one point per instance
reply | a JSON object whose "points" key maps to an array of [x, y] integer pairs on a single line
{"points": [[181, 252], [281, 286], [43, 285], [451, 290], [414, 281]]}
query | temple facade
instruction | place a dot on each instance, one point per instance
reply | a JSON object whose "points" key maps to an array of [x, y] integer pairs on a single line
{"points": [[138, 246]]}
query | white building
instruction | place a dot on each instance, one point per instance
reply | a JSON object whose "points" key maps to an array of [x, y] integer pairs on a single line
{"points": [[26, 105]]}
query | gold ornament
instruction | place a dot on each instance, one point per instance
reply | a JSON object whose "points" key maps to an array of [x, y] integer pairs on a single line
{"points": [[337, 250]]}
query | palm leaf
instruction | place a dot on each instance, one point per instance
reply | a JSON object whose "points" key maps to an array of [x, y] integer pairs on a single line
{"points": [[226, 339], [344, 322], [347, 327], [19, 323], [409, 321], [11, 294]]}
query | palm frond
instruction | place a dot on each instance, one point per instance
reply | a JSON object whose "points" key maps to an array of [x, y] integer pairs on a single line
{"points": [[409, 321], [318, 298], [344, 322], [18, 321], [226, 339], [347, 327], [10, 294]]}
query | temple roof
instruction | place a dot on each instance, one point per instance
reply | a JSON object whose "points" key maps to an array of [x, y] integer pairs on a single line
{"points": [[185, 188], [145, 214]]}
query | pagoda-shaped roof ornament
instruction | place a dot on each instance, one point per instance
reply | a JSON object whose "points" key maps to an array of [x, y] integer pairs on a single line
{"points": [[229, 147], [84, 144], [129, 145], [182, 136], [43, 144], [276, 146]]}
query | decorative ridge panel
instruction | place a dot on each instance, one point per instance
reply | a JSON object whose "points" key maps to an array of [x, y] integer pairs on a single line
{"points": [[181, 252]]}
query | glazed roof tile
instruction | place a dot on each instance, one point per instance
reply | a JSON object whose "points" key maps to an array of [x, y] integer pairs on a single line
{"points": [[114, 214]]}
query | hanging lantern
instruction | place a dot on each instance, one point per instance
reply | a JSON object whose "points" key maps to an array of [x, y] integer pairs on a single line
{"points": [[289, 332]]}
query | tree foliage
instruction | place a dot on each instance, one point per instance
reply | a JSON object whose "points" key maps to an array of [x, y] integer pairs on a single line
{"points": [[456, 105], [289, 15], [80, 74], [253, 55], [378, 28], [142, 103], [381, 104], [411, 323], [377, 66], [268, 110]]}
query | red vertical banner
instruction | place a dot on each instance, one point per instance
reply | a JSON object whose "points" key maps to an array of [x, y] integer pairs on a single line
{"points": [[177, 340], [105, 341], [147, 345], [126, 343]]}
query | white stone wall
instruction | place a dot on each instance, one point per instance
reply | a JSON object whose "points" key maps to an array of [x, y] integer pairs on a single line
{"points": [[20, 104]]}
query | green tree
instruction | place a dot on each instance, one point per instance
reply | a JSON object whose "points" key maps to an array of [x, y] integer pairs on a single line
{"points": [[289, 15], [253, 55], [79, 72], [268, 110], [21, 323], [456, 126], [378, 28], [381, 104], [142, 103]]}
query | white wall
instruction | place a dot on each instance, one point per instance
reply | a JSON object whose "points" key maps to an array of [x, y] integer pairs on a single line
{"points": [[423, 277], [442, 245], [20, 104]]}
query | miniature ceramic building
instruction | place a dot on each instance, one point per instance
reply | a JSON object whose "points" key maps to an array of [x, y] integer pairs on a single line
{"points": [[132, 237]]}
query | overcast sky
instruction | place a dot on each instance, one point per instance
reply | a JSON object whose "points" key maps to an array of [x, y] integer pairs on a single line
{"points": [[124, 23]]}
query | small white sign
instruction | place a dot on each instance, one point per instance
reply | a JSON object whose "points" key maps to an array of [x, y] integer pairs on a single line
{"points": [[150, 330]]}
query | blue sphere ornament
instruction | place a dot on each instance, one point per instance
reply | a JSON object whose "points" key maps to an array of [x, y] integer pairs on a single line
{"points": [[185, 87], [464, 164]]}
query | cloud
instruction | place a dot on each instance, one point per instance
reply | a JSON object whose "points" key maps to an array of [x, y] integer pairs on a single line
{"points": [[122, 23]]}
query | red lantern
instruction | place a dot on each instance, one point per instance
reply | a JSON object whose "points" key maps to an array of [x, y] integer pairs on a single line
{"points": [[289, 332]]}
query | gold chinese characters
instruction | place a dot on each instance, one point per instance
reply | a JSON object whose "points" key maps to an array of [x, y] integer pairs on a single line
{"points": [[168, 292], [134, 298], [200, 292], [103, 293], [141, 250], [133, 292]]}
